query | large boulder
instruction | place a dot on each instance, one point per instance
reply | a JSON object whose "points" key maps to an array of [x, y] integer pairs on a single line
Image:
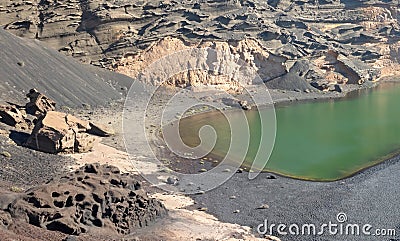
{"points": [[39, 103], [59, 132], [93, 199]]}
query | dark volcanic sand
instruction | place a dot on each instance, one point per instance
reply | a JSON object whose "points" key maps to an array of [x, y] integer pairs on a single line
{"points": [[67, 81], [370, 197], [26, 168]]}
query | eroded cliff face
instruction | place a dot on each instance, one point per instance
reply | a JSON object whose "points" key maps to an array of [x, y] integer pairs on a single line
{"points": [[276, 36], [204, 70]]}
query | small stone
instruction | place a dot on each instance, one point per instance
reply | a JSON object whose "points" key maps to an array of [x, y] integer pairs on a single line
{"points": [[16, 189], [172, 180], [6, 154], [232, 197], [84, 142], [4, 132], [227, 170], [271, 177], [203, 209], [86, 106], [264, 206], [236, 211], [203, 170]]}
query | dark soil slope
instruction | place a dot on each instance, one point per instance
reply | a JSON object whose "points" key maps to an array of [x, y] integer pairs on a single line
{"points": [[27, 64]]}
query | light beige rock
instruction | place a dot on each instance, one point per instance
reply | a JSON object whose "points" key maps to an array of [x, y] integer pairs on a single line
{"points": [[100, 129], [205, 70], [84, 142], [82, 125], [60, 132]]}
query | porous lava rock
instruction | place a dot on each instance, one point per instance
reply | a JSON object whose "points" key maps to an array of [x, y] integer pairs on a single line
{"points": [[92, 199]]}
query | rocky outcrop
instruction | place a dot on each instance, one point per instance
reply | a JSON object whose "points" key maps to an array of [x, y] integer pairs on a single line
{"points": [[53, 131], [92, 199], [38, 103], [107, 34], [58, 132], [336, 68], [249, 51]]}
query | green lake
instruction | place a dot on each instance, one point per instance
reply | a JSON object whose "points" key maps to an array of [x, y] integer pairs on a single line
{"points": [[319, 140]]}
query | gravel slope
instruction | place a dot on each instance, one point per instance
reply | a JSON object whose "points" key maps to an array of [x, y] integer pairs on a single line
{"points": [[25, 168]]}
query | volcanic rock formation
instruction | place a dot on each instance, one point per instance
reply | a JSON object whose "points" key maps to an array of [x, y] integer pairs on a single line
{"points": [[94, 198], [12, 116], [39, 103], [364, 34], [59, 132], [53, 131]]}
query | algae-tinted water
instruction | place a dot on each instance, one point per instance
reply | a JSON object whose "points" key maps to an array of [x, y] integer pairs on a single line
{"points": [[326, 140]]}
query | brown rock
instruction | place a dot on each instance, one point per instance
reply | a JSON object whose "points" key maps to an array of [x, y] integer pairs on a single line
{"points": [[82, 125], [39, 103], [12, 116], [100, 130], [84, 142], [5, 219], [93, 199], [59, 132]]}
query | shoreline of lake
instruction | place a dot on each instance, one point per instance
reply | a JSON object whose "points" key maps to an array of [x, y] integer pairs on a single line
{"points": [[213, 157], [292, 200]]}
